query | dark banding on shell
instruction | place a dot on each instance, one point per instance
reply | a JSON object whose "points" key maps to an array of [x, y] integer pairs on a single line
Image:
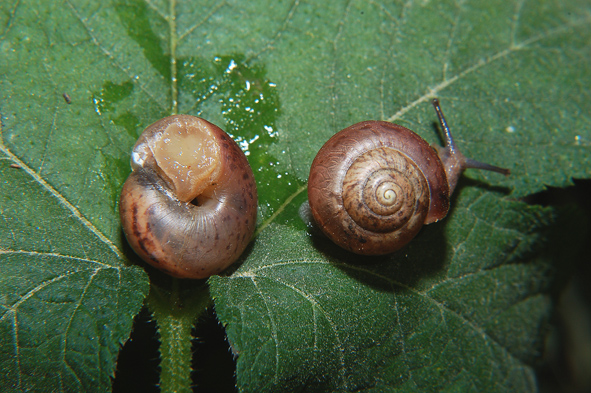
{"points": [[197, 238]]}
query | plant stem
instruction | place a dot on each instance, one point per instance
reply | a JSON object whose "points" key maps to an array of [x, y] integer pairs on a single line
{"points": [[176, 312]]}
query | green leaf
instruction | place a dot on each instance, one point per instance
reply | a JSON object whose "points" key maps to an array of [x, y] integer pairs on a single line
{"points": [[68, 294], [300, 312], [67, 299], [461, 308]]}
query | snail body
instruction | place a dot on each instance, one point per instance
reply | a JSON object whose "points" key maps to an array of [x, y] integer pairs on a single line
{"points": [[189, 205], [373, 185]]}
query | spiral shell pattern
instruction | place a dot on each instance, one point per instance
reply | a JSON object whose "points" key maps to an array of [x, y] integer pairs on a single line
{"points": [[373, 185], [384, 191]]}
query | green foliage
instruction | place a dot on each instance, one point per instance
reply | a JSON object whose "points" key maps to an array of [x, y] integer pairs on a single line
{"points": [[462, 308]]}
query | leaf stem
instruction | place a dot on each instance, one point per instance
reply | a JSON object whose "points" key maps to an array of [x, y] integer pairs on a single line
{"points": [[175, 312]]}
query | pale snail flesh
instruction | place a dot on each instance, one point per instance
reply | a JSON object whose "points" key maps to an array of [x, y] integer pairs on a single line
{"points": [[189, 205], [373, 185]]}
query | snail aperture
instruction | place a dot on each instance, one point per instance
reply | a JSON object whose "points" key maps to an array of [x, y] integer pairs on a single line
{"points": [[189, 205], [373, 185]]}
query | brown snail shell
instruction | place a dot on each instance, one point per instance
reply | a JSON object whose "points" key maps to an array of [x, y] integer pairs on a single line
{"points": [[189, 205], [373, 185]]}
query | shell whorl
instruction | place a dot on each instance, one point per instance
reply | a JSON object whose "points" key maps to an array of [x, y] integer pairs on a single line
{"points": [[373, 185], [384, 191]]}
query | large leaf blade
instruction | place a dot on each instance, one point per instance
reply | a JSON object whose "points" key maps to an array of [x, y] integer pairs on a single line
{"points": [[511, 79]]}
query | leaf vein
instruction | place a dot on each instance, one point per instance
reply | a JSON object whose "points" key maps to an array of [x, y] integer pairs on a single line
{"points": [[154, 8], [280, 31], [10, 21], [51, 128], [432, 92], [208, 16], [334, 96], [60, 198], [450, 41], [515, 21], [315, 305], [273, 327], [69, 324], [111, 56], [403, 347], [280, 209], [57, 255], [440, 305], [16, 346]]}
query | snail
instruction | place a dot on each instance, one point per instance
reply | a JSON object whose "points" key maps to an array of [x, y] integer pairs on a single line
{"points": [[374, 184], [189, 205]]}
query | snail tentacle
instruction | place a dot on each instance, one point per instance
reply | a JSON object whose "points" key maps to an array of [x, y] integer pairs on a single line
{"points": [[373, 185]]}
